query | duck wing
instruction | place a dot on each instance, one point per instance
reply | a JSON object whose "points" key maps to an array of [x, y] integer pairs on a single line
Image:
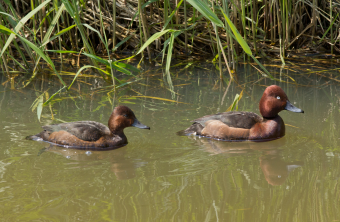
{"points": [[245, 120], [84, 130]]}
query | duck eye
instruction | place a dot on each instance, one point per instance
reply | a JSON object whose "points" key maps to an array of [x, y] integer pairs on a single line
{"points": [[278, 97], [125, 115]]}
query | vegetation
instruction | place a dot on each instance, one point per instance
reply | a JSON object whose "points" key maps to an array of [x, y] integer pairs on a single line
{"points": [[176, 178], [227, 29]]}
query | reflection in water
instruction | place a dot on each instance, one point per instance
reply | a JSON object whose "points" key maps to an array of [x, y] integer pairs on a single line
{"points": [[122, 167], [178, 181], [274, 168]]}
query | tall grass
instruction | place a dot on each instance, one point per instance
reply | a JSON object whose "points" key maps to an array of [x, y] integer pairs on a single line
{"points": [[38, 43], [268, 28]]}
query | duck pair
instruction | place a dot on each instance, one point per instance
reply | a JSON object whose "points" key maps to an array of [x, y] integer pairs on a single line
{"points": [[228, 126]]}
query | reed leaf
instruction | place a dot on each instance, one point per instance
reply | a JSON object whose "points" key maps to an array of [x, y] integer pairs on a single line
{"points": [[43, 55], [127, 66], [16, 61], [87, 67], [121, 43], [237, 35], [100, 36], [38, 104], [166, 43], [21, 23], [159, 98], [116, 65], [151, 39], [204, 9], [168, 59], [75, 14], [46, 38], [330, 26], [6, 14], [172, 14], [62, 51], [235, 102], [121, 69], [148, 3], [6, 30], [49, 99], [97, 58], [60, 33]]}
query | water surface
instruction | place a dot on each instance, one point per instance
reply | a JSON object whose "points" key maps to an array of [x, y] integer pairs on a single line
{"points": [[160, 176]]}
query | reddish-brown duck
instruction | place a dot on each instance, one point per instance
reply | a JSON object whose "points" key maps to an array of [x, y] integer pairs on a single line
{"points": [[241, 126], [91, 134]]}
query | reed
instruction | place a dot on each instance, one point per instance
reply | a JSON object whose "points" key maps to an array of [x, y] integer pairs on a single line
{"points": [[269, 28]]}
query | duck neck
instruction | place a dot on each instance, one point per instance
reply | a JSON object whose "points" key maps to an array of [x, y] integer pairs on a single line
{"points": [[274, 127], [115, 129], [271, 118], [117, 133]]}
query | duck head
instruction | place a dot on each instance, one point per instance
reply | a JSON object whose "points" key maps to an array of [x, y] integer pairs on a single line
{"points": [[122, 117], [274, 100]]}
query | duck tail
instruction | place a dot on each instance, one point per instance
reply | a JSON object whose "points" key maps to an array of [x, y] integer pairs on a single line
{"points": [[33, 137], [195, 129], [30, 137]]}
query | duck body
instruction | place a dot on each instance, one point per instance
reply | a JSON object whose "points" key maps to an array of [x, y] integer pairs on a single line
{"points": [[91, 134], [241, 126]]}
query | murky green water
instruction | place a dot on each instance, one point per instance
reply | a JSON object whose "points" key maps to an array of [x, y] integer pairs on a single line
{"points": [[160, 176]]}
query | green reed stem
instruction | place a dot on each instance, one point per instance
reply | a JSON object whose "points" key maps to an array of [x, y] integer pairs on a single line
{"points": [[3, 61], [185, 27], [315, 5], [243, 19], [114, 24], [55, 3], [253, 16], [211, 40], [331, 19], [283, 26], [165, 15], [218, 48]]}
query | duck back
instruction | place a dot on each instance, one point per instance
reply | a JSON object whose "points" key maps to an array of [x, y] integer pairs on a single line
{"points": [[245, 120], [84, 130]]}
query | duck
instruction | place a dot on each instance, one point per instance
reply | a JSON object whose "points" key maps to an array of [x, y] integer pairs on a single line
{"points": [[91, 134], [247, 126]]}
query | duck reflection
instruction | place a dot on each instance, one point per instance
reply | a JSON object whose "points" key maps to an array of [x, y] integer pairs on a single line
{"points": [[275, 169], [273, 166], [124, 168]]}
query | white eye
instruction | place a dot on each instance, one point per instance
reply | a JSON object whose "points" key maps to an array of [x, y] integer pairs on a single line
{"points": [[278, 97]]}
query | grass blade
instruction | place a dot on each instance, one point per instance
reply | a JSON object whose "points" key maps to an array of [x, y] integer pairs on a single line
{"points": [[21, 23], [151, 39], [45, 57], [49, 100], [168, 58], [204, 9]]}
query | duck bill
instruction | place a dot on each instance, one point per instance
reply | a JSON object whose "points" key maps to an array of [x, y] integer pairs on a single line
{"points": [[291, 107], [138, 124]]}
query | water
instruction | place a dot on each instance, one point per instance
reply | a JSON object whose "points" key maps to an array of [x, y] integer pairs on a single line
{"points": [[160, 176]]}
